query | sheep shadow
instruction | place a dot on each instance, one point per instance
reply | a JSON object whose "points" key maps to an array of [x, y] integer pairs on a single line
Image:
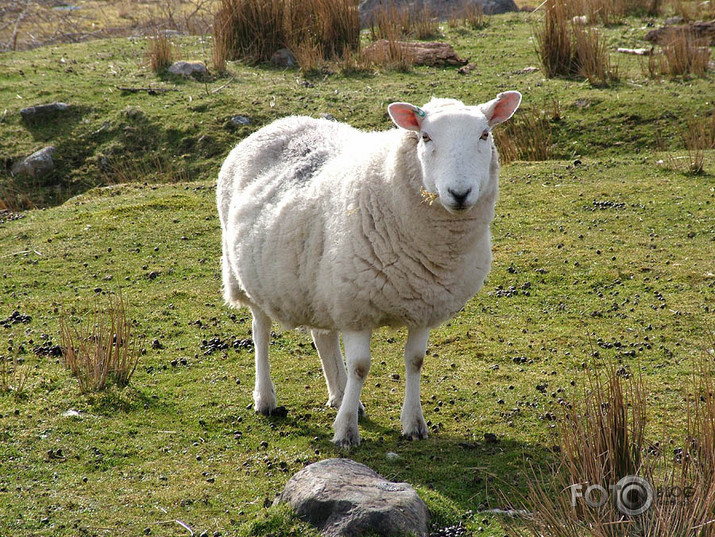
{"points": [[472, 474]]}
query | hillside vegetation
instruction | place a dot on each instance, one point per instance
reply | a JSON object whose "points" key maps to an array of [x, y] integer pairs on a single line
{"points": [[603, 255]]}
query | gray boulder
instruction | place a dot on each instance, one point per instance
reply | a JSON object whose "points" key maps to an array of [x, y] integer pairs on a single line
{"points": [[442, 9], [42, 111], [36, 165], [344, 498], [189, 69]]}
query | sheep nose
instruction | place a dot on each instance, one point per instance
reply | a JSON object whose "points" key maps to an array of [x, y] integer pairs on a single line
{"points": [[459, 197]]}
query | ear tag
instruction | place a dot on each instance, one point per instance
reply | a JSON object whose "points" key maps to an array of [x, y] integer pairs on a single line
{"points": [[419, 111]]}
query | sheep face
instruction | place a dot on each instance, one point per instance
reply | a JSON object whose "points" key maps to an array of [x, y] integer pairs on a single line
{"points": [[455, 149]]}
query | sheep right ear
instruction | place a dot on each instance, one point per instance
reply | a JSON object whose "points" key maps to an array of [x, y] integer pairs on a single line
{"points": [[406, 116], [501, 108]]}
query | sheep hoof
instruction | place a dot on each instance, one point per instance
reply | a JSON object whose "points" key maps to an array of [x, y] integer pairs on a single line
{"points": [[415, 436], [346, 436], [346, 442], [265, 408], [417, 432], [334, 402]]}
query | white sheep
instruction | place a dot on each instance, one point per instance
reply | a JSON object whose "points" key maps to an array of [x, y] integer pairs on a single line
{"points": [[341, 230]]}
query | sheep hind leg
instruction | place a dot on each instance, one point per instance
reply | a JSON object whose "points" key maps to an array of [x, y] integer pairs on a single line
{"points": [[357, 353], [413, 422], [328, 345], [264, 393], [232, 293]]}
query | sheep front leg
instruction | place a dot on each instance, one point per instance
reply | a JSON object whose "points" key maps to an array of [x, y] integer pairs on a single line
{"points": [[413, 421], [264, 393], [357, 355]]}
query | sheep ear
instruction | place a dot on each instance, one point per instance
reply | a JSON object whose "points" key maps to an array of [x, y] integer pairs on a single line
{"points": [[501, 108], [406, 116]]}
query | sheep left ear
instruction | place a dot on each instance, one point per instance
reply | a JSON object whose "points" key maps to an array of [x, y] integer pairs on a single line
{"points": [[501, 108], [406, 116]]}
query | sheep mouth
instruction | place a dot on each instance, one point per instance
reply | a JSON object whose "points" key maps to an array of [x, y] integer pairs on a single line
{"points": [[457, 208]]}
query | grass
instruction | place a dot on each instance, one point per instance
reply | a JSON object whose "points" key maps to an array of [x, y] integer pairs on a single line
{"points": [[599, 244], [611, 481]]}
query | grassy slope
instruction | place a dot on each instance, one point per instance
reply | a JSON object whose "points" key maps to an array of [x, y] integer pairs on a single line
{"points": [[166, 448], [112, 135]]}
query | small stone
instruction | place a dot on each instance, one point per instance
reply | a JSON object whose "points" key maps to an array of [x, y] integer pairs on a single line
{"points": [[37, 165], [239, 121], [42, 110], [284, 58], [194, 69]]}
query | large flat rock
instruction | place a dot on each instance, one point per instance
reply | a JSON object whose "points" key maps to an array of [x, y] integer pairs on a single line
{"points": [[344, 498]]}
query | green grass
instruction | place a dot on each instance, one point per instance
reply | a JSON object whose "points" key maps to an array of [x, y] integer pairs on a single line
{"points": [[600, 256], [148, 452]]}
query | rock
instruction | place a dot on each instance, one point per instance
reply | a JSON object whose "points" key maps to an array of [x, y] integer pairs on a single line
{"points": [[697, 30], [42, 110], [239, 121], [674, 20], [342, 497], [284, 58], [189, 69], [442, 9], [431, 53], [36, 165]]}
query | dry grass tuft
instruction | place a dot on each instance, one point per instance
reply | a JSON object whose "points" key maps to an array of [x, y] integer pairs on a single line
{"points": [[553, 40], [698, 134], [13, 197], [394, 22], [103, 350], [252, 30], [161, 53], [686, 56], [527, 136], [591, 56], [155, 170], [566, 47], [602, 444], [393, 56], [698, 137]]}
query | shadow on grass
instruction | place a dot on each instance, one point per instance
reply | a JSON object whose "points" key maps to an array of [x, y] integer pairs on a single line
{"points": [[459, 478]]}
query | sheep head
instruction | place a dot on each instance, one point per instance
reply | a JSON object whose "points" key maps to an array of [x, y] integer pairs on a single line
{"points": [[455, 147]]}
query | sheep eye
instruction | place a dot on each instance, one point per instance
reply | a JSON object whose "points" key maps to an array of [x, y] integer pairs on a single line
{"points": [[484, 135], [426, 138]]}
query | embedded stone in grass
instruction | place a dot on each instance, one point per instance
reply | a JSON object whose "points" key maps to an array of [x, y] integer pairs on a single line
{"points": [[37, 165], [239, 121], [344, 497], [42, 110], [194, 69]]}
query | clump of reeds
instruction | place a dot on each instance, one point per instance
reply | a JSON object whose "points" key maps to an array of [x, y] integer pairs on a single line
{"points": [[566, 47], [253, 30], [102, 350], [602, 443], [161, 53], [526, 136]]}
